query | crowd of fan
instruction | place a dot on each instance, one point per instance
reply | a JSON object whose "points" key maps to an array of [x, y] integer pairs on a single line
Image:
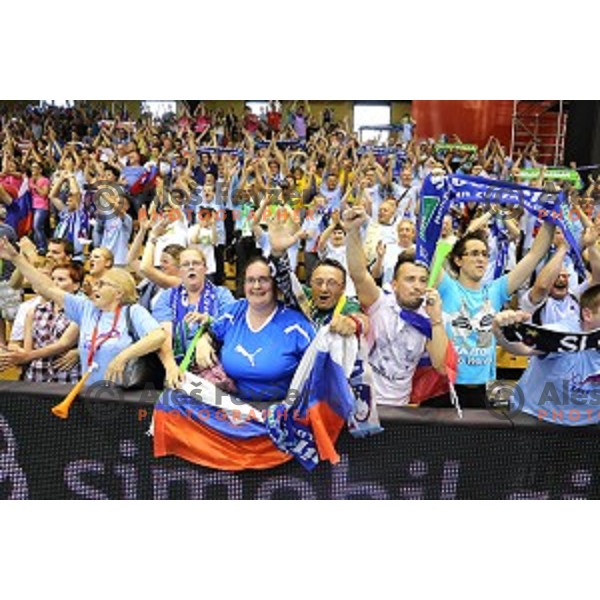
{"points": [[183, 203]]}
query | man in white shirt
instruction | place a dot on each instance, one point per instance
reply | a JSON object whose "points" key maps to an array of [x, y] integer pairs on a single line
{"points": [[401, 329], [552, 301]]}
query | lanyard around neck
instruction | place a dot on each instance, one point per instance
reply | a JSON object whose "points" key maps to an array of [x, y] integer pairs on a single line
{"points": [[98, 340]]}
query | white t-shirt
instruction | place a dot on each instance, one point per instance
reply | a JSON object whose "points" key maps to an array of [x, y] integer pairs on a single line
{"points": [[408, 200], [378, 232], [17, 333], [560, 315], [177, 233], [205, 243], [395, 348], [339, 253], [390, 258]]}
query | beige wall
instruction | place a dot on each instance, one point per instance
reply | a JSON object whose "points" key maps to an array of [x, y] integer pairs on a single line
{"points": [[343, 108]]}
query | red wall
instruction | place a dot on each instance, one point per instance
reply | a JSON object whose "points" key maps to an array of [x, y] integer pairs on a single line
{"points": [[472, 120]]}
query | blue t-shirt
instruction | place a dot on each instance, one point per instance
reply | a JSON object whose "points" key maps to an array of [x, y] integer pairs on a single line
{"points": [[262, 363], [562, 388], [82, 311], [468, 316], [165, 310], [333, 197], [114, 233]]}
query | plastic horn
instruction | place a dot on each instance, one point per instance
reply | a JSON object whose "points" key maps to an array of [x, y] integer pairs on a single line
{"points": [[62, 410]]}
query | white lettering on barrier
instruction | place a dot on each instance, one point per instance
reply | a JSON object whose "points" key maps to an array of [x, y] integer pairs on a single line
{"points": [[128, 472], [10, 469], [303, 489], [449, 480], [342, 490], [195, 481], [74, 472]]}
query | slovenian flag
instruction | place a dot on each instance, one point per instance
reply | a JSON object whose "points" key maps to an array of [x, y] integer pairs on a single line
{"points": [[145, 182], [428, 383], [19, 214], [206, 426]]}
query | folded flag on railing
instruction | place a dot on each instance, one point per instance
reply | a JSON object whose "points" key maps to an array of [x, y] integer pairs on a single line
{"points": [[205, 426]]}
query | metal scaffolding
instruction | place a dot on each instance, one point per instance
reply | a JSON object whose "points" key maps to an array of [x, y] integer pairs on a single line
{"points": [[542, 122]]}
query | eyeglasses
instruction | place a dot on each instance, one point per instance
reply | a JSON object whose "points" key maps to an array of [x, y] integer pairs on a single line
{"points": [[262, 280], [193, 263], [476, 253], [330, 284]]}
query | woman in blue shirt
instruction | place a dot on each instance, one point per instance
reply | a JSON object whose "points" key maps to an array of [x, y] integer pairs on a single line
{"points": [[104, 337], [262, 341]]}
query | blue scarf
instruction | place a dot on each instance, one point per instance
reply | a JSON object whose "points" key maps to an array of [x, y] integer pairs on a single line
{"points": [[291, 437], [419, 322], [498, 230], [207, 303], [67, 228], [436, 198]]}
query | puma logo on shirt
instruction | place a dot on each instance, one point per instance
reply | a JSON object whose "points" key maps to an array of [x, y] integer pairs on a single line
{"points": [[250, 356]]}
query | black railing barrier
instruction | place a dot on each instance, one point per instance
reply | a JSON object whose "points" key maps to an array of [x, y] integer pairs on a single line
{"points": [[103, 450]]}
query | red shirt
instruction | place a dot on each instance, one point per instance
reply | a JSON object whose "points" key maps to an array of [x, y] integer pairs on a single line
{"points": [[251, 122], [274, 120]]}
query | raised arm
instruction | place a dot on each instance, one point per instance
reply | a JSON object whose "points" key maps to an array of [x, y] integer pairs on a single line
{"points": [[438, 345], [480, 221], [366, 288], [54, 192], [526, 266], [324, 238], [147, 267], [590, 242], [41, 283], [377, 266], [547, 276]]}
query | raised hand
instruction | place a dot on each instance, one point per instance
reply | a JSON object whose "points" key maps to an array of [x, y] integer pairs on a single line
{"points": [[354, 217], [7, 250], [280, 237], [590, 237]]}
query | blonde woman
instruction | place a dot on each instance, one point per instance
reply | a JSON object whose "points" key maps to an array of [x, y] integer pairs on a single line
{"points": [[104, 337]]}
